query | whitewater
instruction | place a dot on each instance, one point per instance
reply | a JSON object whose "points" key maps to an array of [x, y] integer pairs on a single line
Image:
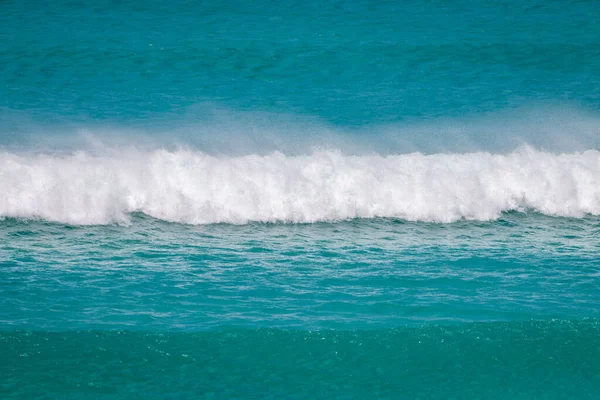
{"points": [[192, 187]]}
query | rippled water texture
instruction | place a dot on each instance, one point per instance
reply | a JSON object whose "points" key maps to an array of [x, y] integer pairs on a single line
{"points": [[355, 274], [352, 62]]}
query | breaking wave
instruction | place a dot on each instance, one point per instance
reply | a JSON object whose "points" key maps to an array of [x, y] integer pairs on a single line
{"points": [[192, 187]]}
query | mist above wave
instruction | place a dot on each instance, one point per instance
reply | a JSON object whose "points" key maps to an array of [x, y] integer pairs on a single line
{"points": [[193, 187], [219, 131]]}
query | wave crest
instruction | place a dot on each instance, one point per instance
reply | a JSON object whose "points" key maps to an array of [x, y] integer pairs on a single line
{"points": [[192, 187]]}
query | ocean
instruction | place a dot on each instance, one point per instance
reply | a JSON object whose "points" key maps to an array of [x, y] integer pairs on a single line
{"points": [[299, 200]]}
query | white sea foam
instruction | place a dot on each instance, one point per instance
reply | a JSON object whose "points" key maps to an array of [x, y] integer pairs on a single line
{"points": [[192, 187]]}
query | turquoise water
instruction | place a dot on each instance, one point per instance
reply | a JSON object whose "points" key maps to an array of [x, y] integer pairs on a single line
{"points": [[301, 200]]}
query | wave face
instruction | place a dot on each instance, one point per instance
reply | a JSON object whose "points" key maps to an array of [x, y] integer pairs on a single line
{"points": [[191, 187]]}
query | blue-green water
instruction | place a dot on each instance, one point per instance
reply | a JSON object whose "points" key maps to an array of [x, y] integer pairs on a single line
{"points": [[517, 360], [300, 200]]}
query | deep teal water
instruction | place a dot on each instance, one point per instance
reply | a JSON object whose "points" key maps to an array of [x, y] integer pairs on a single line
{"points": [[339, 199], [520, 360]]}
